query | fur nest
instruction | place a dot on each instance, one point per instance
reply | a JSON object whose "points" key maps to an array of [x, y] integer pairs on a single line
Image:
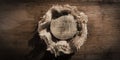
{"points": [[59, 10]]}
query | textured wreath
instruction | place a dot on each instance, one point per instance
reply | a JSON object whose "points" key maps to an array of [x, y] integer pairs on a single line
{"points": [[65, 47]]}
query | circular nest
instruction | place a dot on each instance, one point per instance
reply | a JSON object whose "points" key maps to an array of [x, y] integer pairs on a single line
{"points": [[65, 22]]}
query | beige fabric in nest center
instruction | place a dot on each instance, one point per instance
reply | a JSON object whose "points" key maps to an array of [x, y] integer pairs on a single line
{"points": [[63, 27]]}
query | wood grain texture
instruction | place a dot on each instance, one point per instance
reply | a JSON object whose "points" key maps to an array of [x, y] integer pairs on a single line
{"points": [[18, 22]]}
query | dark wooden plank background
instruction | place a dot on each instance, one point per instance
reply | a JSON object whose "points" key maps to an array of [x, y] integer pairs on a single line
{"points": [[18, 20]]}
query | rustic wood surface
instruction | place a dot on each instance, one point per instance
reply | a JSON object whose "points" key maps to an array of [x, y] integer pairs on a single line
{"points": [[18, 22]]}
